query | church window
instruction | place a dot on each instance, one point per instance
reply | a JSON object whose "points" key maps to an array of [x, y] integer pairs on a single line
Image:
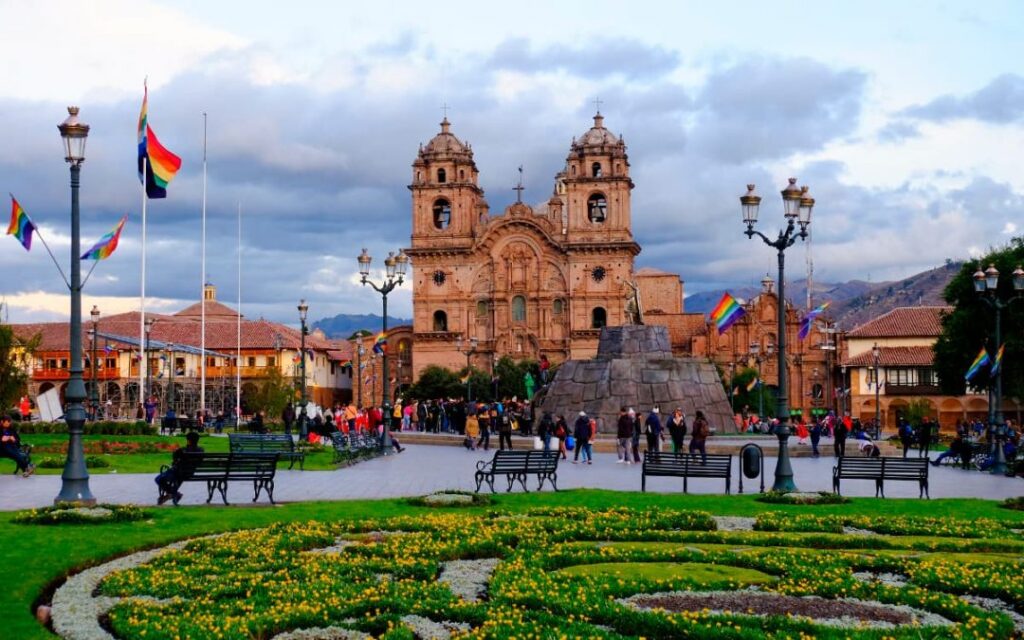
{"points": [[442, 176], [439, 277], [572, 169], [519, 309], [598, 274], [595, 170], [481, 308], [440, 321], [419, 176], [462, 174], [558, 306], [442, 213], [597, 207], [598, 318]]}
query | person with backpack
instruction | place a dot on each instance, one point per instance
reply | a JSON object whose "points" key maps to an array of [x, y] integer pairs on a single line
{"points": [[505, 431], [581, 432], [562, 432], [701, 431]]}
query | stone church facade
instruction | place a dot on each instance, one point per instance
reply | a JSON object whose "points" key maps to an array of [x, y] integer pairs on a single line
{"points": [[529, 281]]}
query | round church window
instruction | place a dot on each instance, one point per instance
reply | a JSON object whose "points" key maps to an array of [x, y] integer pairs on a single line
{"points": [[598, 274], [439, 277]]}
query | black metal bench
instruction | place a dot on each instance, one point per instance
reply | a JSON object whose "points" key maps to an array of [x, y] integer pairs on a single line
{"points": [[880, 470], [516, 465], [686, 466], [349, 447], [267, 443], [217, 469]]}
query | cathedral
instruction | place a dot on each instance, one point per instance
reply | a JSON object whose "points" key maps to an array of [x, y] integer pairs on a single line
{"points": [[528, 282]]}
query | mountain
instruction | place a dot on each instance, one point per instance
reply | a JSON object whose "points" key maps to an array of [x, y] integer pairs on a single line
{"points": [[854, 302], [344, 325]]}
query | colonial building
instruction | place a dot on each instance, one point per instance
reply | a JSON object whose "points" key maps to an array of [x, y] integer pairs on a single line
{"points": [[526, 282], [249, 349], [904, 337]]}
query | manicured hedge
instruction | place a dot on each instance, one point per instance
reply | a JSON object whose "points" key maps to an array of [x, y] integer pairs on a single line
{"points": [[98, 427]]}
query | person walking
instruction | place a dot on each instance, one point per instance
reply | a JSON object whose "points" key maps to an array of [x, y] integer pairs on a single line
{"points": [[562, 432], [505, 431], [638, 428], [839, 444], [652, 429], [677, 429], [906, 436], [701, 431], [472, 431], [816, 430], [623, 436], [581, 432], [925, 437], [546, 429], [484, 418]]}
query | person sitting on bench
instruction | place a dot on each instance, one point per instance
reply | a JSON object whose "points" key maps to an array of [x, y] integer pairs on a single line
{"points": [[168, 480], [10, 447]]}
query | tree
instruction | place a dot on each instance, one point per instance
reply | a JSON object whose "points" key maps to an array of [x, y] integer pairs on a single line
{"points": [[971, 326], [436, 382], [274, 392], [14, 353], [511, 374], [759, 396]]}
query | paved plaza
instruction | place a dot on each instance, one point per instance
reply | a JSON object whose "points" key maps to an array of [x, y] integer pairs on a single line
{"points": [[422, 469]]}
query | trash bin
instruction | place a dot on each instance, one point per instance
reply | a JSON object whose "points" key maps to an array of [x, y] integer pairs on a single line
{"points": [[751, 462]]}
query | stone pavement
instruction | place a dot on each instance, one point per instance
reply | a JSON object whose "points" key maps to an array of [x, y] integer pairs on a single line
{"points": [[422, 469]]}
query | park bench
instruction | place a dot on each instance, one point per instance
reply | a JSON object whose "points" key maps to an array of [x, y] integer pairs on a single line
{"points": [[267, 443], [217, 469], [168, 425], [686, 466], [880, 470], [348, 447], [516, 465]]}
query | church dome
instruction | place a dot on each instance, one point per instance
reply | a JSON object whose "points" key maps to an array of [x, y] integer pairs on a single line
{"points": [[598, 139], [445, 143]]}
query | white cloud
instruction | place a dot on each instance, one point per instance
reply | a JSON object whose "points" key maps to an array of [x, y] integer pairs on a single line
{"points": [[1009, 229]]}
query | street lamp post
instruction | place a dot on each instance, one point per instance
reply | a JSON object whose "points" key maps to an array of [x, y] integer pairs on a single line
{"points": [[470, 349], [303, 418], [170, 381], [844, 390], [876, 352], [394, 276], [797, 206], [94, 394], [986, 284], [149, 370], [75, 478]]}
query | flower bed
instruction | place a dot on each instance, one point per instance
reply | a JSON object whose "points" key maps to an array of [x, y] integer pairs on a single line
{"points": [[91, 462], [96, 427], [821, 497], [71, 514], [452, 499], [498, 576], [111, 447]]}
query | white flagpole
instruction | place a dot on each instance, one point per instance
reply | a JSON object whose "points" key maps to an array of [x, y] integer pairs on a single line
{"points": [[238, 354], [142, 301], [202, 291]]}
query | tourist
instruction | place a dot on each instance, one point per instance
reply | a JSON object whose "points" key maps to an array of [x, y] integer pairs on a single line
{"points": [[638, 429], [816, 430], [169, 480], [839, 443], [288, 418], [562, 432], [624, 435], [505, 432], [545, 367], [10, 447], [407, 414], [957, 449], [150, 408], [484, 419], [906, 435], [472, 431], [653, 431], [802, 433], [677, 429], [924, 434], [581, 431], [256, 424], [25, 409], [701, 431], [546, 429]]}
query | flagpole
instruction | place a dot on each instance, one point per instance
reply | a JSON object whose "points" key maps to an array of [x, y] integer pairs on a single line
{"points": [[238, 329], [202, 291], [143, 364]]}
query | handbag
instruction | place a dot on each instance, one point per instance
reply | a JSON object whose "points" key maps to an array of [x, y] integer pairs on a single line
{"points": [[570, 443]]}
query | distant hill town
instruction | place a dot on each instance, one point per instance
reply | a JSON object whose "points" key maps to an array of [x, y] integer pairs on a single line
{"points": [[854, 302]]}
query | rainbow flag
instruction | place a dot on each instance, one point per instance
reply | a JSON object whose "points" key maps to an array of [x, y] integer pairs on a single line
{"points": [[21, 226], [106, 245], [979, 362], [346, 364], [380, 345], [726, 312], [753, 383], [998, 361], [808, 321], [161, 164]]}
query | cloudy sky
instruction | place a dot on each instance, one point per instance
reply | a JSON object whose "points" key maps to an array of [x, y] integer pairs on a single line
{"points": [[905, 119]]}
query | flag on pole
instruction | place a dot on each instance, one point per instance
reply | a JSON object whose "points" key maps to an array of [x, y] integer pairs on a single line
{"points": [[160, 164], [21, 226], [753, 383], [979, 362], [808, 321], [726, 312], [105, 246], [998, 361], [380, 345]]}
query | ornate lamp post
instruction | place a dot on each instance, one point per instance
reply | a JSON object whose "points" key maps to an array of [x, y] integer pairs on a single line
{"points": [[468, 349], [360, 365], [149, 370], [394, 267], [94, 393], [797, 206], [303, 418], [75, 478], [986, 284], [876, 352]]}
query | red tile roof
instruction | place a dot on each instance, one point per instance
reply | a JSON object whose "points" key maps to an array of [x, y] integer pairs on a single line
{"points": [[904, 322], [894, 357], [214, 311]]}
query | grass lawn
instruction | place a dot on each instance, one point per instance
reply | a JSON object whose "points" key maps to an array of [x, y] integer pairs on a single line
{"points": [[35, 556]]}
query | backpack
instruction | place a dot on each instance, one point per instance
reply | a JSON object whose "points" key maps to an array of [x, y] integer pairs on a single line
{"points": [[701, 429]]}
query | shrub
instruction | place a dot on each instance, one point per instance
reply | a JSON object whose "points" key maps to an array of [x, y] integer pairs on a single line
{"points": [[91, 462], [73, 514], [97, 427], [821, 497]]}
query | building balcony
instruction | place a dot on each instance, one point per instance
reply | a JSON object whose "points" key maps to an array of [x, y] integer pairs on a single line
{"points": [[911, 390], [49, 375]]}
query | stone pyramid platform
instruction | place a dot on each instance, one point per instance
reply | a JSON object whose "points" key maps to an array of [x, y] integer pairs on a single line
{"points": [[635, 367]]}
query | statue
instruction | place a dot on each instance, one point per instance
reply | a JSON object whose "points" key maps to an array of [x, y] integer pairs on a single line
{"points": [[634, 310]]}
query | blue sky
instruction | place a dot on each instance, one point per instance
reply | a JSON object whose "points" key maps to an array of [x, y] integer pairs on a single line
{"points": [[905, 119]]}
